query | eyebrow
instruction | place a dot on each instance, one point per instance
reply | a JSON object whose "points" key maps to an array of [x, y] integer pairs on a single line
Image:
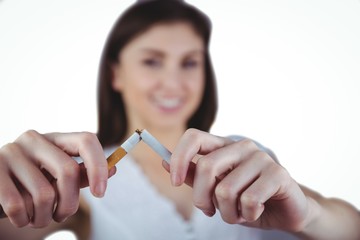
{"points": [[161, 53]]}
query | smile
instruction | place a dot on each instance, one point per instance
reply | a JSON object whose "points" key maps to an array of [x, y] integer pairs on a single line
{"points": [[168, 102]]}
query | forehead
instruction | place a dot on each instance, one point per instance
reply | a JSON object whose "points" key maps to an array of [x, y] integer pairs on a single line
{"points": [[176, 37]]}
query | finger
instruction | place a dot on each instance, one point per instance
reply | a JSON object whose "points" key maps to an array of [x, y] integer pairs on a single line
{"points": [[84, 182], [166, 166], [12, 202], [214, 166], [270, 184], [189, 180], [193, 142], [89, 148], [61, 167], [68, 187], [37, 185], [235, 182], [23, 174], [112, 171]]}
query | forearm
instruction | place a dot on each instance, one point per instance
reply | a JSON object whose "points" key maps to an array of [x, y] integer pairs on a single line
{"points": [[333, 219]]}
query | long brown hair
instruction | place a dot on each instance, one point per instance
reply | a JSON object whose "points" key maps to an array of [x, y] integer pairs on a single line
{"points": [[112, 121]]}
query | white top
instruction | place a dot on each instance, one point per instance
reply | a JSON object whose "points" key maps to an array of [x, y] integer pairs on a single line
{"points": [[132, 209]]}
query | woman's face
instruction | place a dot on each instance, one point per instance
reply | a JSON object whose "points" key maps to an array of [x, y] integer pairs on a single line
{"points": [[161, 76]]}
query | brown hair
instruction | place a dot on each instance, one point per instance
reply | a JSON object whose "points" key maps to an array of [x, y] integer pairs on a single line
{"points": [[112, 121]]}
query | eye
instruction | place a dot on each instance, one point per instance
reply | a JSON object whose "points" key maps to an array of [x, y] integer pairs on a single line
{"points": [[190, 64], [152, 62]]}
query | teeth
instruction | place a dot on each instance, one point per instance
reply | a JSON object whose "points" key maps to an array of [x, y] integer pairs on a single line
{"points": [[168, 103]]}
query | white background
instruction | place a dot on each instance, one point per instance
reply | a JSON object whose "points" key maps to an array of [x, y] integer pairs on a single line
{"points": [[288, 76]]}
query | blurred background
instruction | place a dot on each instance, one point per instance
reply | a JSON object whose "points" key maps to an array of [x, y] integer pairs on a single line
{"points": [[288, 76]]}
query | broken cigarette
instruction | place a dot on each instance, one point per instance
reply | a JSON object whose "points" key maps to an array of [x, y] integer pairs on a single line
{"points": [[121, 151]]}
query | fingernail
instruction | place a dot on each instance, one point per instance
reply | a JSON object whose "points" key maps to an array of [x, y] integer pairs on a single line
{"points": [[112, 172], [241, 220], [209, 213], [175, 180], [100, 189]]}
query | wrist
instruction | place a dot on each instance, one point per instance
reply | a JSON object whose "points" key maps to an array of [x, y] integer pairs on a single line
{"points": [[313, 220]]}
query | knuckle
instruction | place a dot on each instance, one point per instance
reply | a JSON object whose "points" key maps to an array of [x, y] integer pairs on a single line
{"points": [[20, 224], [88, 138], [204, 167], [200, 204], [70, 170], [263, 156], [66, 211], [228, 220], [46, 195], [43, 223], [13, 206], [72, 209], [249, 201], [248, 143], [192, 132], [282, 172], [282, 176], [29, 135], [251, 207], [224, 192], [9, 149]]}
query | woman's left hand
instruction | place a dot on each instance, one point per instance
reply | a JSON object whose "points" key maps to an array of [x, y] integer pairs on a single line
{"points": [[244, 183]]}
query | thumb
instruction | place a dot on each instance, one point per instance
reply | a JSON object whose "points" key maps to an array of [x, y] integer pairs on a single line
{"points": [[84, 181], [189, 179]]}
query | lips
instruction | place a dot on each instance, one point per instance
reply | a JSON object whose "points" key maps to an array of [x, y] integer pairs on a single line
{"points": [[168, 103]]}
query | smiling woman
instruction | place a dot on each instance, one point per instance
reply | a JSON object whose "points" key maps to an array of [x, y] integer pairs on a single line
{"points": [[162, 98], [288, 76]]}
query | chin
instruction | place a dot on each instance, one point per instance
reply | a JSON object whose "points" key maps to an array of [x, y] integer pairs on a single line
{"points": [[169, 124]]}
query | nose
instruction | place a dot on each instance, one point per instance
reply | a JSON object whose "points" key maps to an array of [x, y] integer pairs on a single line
{"points": [[171, 78]]}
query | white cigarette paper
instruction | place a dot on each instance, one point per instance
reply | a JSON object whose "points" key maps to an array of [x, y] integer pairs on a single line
{"points": [[121, 151], [155, 145], [131, 142]]}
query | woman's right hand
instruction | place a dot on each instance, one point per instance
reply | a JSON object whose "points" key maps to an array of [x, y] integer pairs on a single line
{"points": [[40, 181]]}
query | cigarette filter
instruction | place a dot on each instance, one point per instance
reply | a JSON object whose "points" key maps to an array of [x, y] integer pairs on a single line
{"points": [[121, 151]]}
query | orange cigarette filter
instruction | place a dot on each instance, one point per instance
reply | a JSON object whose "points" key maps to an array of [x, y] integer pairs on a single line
{"points": [[121, 151]]}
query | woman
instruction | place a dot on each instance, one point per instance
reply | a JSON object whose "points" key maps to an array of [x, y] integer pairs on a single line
{"points": [[156, 73]]}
